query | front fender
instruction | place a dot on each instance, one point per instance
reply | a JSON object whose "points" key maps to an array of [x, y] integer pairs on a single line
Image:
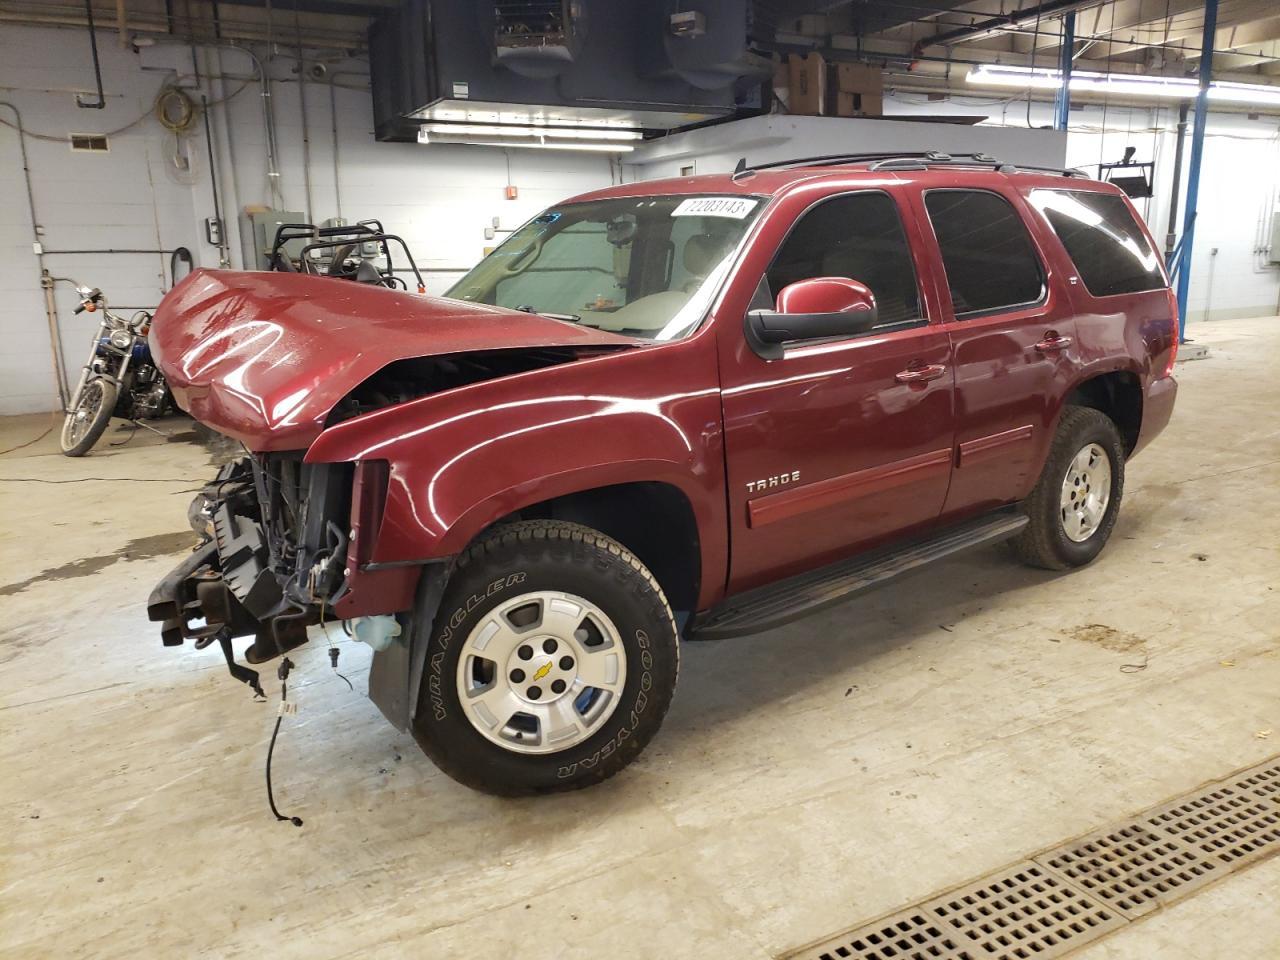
{"points": [[462, 459]]}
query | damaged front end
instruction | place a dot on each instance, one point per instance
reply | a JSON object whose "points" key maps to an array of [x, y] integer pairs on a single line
{"points": [[273, 561]]}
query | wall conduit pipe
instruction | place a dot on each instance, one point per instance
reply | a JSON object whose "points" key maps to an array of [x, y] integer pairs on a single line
{"points": [[46, 282]]}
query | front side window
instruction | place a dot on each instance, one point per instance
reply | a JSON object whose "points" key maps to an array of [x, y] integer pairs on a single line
{"points": [[857, 236], [1102, 239], [645, 267], [986, 251]]}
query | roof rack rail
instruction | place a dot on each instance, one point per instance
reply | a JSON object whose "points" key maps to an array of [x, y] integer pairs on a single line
{"points": [[905, 161], [827, 160]]}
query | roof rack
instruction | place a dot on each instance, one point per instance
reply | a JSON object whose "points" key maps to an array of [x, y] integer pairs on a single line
{"points": [[904, 161]]}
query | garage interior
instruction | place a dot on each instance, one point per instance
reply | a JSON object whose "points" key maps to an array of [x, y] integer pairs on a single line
{"points": [[814, 787]]}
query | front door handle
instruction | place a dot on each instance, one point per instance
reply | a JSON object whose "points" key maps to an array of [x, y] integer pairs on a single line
{"points": [[1053, 343], [920, 373]]}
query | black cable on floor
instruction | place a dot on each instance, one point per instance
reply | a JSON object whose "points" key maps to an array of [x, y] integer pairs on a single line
{"points": [[283, 673], [28, 443]]}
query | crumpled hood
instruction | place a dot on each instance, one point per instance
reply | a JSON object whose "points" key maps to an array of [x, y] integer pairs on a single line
{"points": [[263, 357]]}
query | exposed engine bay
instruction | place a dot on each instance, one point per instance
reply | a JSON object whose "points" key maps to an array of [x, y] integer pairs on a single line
{"points": [[272, 558], [277, 533], [408, 379]]}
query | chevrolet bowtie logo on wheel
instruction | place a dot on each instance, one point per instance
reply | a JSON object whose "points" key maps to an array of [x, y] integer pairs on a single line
{"points": [[543, 671]]}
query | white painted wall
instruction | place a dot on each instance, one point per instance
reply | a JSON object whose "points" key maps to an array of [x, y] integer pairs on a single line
{"points": [[440, 198]]}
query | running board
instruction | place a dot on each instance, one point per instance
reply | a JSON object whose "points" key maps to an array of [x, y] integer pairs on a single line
{"points": [[779, 603]]}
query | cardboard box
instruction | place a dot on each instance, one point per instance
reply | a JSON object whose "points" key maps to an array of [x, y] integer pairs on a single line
{"points": [[859, 78], [781, 74], [857, 105], [808, 85]]}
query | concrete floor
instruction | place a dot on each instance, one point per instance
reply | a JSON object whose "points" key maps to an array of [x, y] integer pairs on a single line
{"points": [[805, 780]]}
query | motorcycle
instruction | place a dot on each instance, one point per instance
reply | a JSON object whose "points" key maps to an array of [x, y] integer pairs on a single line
{"points": [[119, 378]]}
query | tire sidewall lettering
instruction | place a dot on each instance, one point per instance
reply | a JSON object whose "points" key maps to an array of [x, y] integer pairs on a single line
{"points": [[633, 717], [435, 678]]}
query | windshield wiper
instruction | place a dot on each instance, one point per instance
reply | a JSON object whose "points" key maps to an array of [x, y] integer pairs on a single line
{"points": [[567, 317]]}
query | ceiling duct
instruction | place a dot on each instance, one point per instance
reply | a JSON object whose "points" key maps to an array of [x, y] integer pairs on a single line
{"points": [[648, 66], [704, 43], [536, 38]]}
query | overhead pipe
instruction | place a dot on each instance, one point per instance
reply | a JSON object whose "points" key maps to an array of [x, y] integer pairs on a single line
{"points": [[1004, 23], [1197, 156]]}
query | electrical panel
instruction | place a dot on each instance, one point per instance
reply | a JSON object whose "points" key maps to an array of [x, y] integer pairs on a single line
{"points": [[1274, 253], [258, 232]]}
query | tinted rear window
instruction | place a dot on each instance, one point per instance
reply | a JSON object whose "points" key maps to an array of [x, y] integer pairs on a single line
{"points": [[1103, 240], [986, 251]]}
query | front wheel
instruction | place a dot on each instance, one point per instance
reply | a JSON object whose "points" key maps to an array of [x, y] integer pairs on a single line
{"points": [[88, 417], [1074, 505], [551, 663]]}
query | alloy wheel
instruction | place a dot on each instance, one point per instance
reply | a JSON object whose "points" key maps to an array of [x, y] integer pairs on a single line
{"points": [[1086, 491], [541, 672]]}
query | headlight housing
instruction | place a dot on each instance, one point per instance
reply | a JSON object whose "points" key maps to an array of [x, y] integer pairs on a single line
{"points": [[122, 339]]}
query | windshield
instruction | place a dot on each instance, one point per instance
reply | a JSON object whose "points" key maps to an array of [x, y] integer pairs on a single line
{"points": [[640, 266]]}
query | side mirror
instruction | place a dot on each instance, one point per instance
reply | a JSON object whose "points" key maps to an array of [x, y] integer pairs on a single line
{"points": [[812, 309]]}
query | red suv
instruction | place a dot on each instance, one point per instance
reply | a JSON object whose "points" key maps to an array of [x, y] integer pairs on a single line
{"points": [[687, 408]]}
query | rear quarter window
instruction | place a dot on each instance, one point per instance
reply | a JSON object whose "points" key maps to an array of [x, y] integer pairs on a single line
{"points": [[1103, 240]]}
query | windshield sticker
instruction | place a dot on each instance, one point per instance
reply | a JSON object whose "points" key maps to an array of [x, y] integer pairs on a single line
{"points": [[735, 208]]}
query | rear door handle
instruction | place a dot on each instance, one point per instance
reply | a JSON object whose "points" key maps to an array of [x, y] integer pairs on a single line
{"points": [[921, 373], [1052, 343]]}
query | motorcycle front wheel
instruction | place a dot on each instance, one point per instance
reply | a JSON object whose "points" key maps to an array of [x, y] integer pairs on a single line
{"points": [[88, 417]]}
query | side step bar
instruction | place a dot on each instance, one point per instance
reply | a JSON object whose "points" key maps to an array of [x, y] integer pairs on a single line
{"points": [[779, 603]]}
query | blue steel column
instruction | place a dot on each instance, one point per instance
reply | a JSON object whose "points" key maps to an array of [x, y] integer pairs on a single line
{"points": [[1062, 102], [1197, 154]]}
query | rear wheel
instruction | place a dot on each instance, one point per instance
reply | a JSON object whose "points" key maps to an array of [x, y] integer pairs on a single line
{"points": [[89, 417], [1074, 505], [551, 664]]}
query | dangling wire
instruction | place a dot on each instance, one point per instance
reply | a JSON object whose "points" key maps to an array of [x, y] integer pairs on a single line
{"points": [[285, 707], [333, 647], [333, 650]]}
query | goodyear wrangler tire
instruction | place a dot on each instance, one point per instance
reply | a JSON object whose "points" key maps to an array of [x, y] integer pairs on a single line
{"points": [[552, 661]]}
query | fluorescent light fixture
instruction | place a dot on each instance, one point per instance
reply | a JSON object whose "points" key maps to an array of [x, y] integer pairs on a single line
{"points": [[594, 146], [1084, 81], [1244, 93], [515, 130]]}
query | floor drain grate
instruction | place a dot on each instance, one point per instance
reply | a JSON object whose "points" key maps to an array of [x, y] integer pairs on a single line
{"points": [[1025, 911], [1022, 912], [1264, 781], [910, 934], [1131, 868], [1230, 823], [1065, 897]]}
